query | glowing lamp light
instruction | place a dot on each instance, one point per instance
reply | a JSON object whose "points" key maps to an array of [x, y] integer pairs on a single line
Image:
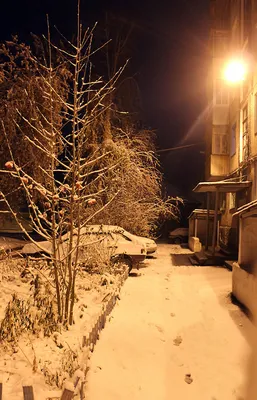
{"points": [[235, 71]]}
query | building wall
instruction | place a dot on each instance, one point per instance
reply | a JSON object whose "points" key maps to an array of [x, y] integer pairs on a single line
{"points": [[217, 162], [233, 34], [217, 147], [244, 275], [254, 180], [248, 250], [236, 22], [242, 142]]}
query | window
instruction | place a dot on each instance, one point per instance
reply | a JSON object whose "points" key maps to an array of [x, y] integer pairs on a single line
{"points": [[121, 236], [221, 96], [245, 135], [233, 140], [126, 237], [219, 144], [219, 140]]}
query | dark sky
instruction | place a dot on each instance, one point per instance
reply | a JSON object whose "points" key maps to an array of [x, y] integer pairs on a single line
{"points": [[170, 58]]}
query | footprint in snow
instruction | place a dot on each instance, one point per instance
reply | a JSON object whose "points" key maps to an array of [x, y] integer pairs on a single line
{"points": [[177, 341]]}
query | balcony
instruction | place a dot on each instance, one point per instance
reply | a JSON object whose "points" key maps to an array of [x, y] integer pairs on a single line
{"points": [[219, 165]]}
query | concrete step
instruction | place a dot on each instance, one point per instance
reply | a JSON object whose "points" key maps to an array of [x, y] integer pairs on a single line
{"points": [[193, 260], [207, 258], [201, 257]]}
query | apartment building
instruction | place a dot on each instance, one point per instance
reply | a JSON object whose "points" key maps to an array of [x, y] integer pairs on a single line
{"points": [[231, 140]]}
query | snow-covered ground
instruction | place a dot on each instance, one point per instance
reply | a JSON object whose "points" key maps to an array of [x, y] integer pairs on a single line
{"points": [[174, 335], [40, 360]]}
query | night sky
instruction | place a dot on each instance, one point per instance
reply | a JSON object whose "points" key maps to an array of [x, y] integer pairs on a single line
{"points": [[168, 56]]}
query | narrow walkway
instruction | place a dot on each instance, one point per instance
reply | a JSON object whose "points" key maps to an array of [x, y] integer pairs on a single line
{"points": [[172, 321]]}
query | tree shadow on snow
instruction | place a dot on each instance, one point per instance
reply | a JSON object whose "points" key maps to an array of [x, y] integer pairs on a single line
{"points": [[134, 274]]}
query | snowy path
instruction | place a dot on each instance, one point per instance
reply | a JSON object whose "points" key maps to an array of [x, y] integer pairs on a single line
{"points": [[172, 321]]}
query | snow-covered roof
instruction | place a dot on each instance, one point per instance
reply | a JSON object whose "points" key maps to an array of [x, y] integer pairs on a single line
{"points": [[198, 212], [221, 186], [246, 207]]}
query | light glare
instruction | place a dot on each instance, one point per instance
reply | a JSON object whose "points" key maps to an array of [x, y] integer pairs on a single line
{"points": [[235, 71]]}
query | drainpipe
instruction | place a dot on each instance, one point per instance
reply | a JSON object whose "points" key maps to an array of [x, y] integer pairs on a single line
{"points": [[218, 234], [214, 234], [208, 222], [240, 227]]}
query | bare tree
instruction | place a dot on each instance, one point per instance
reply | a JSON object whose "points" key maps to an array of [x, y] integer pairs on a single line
{"points": [[139, 205], [70, 176], [22, 97], [75, 157]]}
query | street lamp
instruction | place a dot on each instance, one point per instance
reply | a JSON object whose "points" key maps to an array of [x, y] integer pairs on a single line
{"points": [[235, 71]]}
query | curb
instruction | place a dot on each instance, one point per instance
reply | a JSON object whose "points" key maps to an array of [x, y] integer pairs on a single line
{"points": [[89, 341]]}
